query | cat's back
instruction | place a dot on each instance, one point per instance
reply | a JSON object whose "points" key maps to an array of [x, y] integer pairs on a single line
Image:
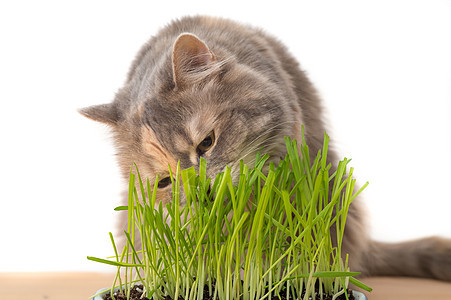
{"points": [[227, 39]]}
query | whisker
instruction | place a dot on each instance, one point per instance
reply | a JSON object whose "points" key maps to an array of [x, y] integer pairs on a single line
{"points": [[250, 147]]}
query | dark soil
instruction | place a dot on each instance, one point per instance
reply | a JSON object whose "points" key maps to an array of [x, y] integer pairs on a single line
{"points": [[137, 291], [135, 294]]}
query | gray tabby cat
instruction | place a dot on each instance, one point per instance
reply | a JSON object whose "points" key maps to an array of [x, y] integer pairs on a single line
{"points": [[212, 88]]}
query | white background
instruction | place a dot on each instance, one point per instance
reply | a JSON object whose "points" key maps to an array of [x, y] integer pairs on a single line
{"points": [[383, 69]]}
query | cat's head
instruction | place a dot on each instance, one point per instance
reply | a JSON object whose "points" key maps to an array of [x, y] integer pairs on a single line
{"points": [[190, 101]]}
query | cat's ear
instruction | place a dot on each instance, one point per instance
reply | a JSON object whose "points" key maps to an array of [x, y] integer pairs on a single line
{"points": [[105, 113], [190, 55]]}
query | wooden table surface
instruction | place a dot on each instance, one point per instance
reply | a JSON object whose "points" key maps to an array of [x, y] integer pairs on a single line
{"points": [[68, 286]]}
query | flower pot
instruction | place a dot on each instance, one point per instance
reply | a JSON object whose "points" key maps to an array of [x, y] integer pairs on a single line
{"points": [[357, 295]]}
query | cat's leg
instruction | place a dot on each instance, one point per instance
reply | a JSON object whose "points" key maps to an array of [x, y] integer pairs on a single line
{"points": [[427, 257]]}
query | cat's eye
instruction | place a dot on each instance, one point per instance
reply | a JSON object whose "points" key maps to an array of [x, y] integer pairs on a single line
{"points": [[164, 182], [206, 144]]}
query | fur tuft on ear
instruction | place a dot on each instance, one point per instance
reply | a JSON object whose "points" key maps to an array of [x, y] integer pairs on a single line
{"points": [[189, 55], [105, 113]]}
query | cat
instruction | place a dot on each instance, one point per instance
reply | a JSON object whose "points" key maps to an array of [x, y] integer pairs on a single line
{"points": [[213, 88]]}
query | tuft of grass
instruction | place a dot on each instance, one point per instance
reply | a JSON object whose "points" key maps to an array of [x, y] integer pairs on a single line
{"points": [[268, 235]]}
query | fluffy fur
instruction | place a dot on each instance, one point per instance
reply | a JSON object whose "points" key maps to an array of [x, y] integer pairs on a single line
{"points": [[200, 76]]}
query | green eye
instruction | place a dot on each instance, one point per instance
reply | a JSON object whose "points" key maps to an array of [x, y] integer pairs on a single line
{"points": [[164, 182], [206, 144]]}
